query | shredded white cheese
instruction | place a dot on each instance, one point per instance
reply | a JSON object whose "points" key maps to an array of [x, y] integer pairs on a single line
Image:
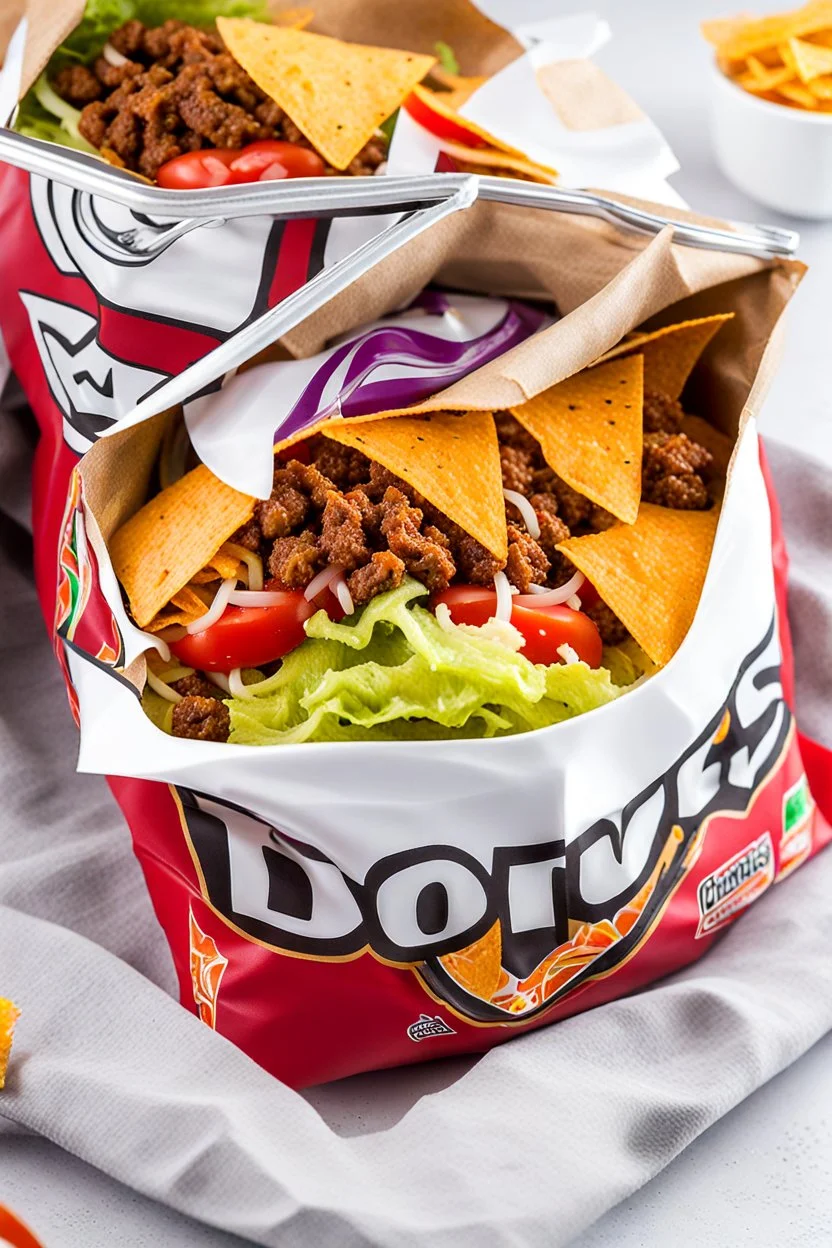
{"points": [[320, 582], [344, 596], [113, 56], [163, 690], [502, 586], [252, 561], [216, 608], [526, 511], [568, 654], [501, 631]]}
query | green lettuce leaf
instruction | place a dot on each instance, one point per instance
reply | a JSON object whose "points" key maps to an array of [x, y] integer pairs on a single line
{"points": [[394, 673], [627, 662], [446, 57], [43, 115]]}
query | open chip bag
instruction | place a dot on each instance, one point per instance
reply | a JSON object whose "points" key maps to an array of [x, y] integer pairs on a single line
{"points": [[122, 275], [437, 652]]}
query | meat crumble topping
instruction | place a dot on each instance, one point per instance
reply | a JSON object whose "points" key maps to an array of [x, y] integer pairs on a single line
{"points": [[342, 508], [178, 91]]}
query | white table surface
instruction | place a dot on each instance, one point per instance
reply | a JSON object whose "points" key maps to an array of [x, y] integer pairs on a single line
{"points": [[762, 1175]]}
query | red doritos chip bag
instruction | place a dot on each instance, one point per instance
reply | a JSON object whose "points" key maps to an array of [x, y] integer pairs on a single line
{"points": [[415, 711]]}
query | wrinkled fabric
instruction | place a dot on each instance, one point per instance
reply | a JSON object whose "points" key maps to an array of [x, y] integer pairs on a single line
{"points": [[526, 1145]]}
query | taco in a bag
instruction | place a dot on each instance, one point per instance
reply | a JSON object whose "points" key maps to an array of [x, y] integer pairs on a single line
{"points": [[212, 92], [425, 573]]}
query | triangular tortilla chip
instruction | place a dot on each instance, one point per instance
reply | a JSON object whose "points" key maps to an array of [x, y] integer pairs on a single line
{"points": [[9, 1014], [650, 573], [821, 88], [761, 78], [482, 159], [476, 968], [670, 353], [590, 432], [436, 103], [337, 93], [453, 461], [719, 30], [798, 94], [761, 33], [173, 536], [810, 60]]}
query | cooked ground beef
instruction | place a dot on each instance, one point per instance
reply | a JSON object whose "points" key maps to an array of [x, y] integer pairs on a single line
{"points": [[675, 471], [526, 564], [295, 560], [178, 92], [195, 685], [384, 571], [517, 464], [201, 719], [425, 552], [661, 413], [341, 508], [612, 631]]}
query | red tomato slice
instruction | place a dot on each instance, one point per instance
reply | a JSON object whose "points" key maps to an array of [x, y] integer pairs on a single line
{"points": [[264, 161], [545, 628], [298, 450], [193, 171], [440, 125]]}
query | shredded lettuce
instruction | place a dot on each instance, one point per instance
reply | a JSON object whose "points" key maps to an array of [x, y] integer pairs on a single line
{"points": [[446, 57], [44, 115], [393, 672], [157, 709], [627, 663]]}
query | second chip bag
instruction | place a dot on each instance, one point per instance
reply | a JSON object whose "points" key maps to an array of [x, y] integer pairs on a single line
{"points": [[340, 889]]}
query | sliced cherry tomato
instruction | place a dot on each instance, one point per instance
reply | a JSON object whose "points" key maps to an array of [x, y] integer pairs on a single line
{"points": [[440, 125], [270, 159], [195, 170], [588, 595], [252, 636], [298, 450], [544, 628], [264, 161]]}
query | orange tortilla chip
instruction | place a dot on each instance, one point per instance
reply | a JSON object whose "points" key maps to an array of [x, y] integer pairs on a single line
{"points": [[173, 537], [761, 78], [435, 101], [810, 60], [821, 88], [650, 573], [798, 94], [183, 608], [485, 158], [590, 432], [670, 353], [9, 1014], [337, 93], [477, 967], [720, 29], [220, 567], [453, 461], [761, 33]]}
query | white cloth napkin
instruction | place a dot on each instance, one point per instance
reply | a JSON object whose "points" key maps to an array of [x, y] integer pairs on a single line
{"points": [[525, 1146]]}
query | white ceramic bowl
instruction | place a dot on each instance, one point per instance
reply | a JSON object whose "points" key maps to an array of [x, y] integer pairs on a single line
{"points": [[779, 155]]}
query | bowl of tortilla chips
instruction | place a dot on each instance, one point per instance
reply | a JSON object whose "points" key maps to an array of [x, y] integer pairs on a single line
{"points": [[771, 114]]}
